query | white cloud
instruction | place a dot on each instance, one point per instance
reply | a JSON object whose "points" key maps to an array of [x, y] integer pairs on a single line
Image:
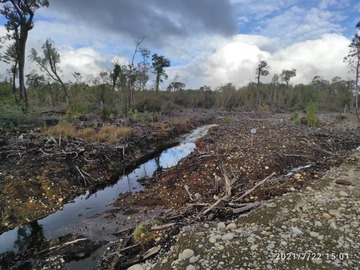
{"points": [[235, 61]]}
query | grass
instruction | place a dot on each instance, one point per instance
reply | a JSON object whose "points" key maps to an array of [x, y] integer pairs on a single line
{"points": [[108, 133]]}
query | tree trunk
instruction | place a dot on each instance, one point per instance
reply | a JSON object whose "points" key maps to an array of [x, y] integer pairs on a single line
{"points": [[21, 54]]}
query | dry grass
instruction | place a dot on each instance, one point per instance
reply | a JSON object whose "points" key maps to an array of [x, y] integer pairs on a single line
{"points": [[112, 133], [108, 133]]}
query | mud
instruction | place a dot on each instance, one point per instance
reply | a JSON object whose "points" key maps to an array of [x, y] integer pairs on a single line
{"points": [[39, 174]]}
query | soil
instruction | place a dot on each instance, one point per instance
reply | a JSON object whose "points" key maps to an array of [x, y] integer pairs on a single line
{"points": [[39, 173]]}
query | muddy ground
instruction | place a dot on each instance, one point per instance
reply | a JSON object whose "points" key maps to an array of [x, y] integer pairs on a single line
{"points": [[39, 173]]}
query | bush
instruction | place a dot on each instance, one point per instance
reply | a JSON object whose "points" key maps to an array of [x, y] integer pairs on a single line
{"points": [[296, 118], [311, 117]]}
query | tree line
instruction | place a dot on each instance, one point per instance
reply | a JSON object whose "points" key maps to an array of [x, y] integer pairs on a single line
{"points": [[123, 90]]}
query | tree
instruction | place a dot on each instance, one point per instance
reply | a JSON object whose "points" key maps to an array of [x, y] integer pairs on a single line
{"points": [[159, 62], [10, 57], [286, 75], [19, 15], [261, 70], [175, 86], [353, 59], [49, 63]]}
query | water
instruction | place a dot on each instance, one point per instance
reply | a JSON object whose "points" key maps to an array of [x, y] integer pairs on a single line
{"points": [[76, 214]]}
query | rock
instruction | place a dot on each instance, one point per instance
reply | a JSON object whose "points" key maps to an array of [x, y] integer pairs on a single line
{"points": [[333, 212], [221, 226], [220, 247], [320, 237], [228, 237], [136, 267], [314, 234], [190, 267], [343, 182], [297, 176], [333, 225], [318, 224], [326, 215], [343, 194], [194, 259], [296, 230], [251, 239], [212, 240], [186, 254], [231, 227]]}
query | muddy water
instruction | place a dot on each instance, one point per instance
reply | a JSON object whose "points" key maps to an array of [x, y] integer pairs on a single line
{"points": [[93, 215]]}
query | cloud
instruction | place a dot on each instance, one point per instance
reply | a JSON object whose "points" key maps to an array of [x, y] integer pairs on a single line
{"points": [[235, 60], [157, 20]]}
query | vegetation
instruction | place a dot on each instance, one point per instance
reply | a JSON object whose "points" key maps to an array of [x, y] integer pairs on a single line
{"points": [[124, 92]]}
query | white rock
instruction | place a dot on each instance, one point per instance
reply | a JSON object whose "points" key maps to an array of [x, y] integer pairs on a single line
{"points": [[231, 227], [190, 267], [343, 193], [251, 239], [228, 237], [314, 234], [270, 246], [296, 230], [318, 224], [220, 247], [186, 254], [221, 225], [136, 267], [194, 259], [212, 240]]}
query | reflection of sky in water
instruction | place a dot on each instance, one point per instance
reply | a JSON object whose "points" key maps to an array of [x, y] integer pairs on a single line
{"points": [[74, 214]]}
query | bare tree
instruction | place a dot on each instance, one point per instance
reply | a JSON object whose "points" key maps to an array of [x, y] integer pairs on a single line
{"points": [[49, 63], [261, 70], [19, 15], [353, 59]]}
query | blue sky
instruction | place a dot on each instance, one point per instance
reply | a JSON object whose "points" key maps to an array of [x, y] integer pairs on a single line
{"points": [[208, 42]]}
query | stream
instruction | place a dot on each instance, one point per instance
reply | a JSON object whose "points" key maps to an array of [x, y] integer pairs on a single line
{"points": [[93, 215]]}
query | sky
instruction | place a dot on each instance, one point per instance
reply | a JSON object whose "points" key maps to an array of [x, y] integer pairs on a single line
{"points": [[208, 42]]}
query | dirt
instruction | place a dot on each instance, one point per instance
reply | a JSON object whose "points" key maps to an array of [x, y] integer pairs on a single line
{"points": [[40, 173]]}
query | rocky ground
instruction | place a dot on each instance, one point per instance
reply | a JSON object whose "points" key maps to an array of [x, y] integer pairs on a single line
{"points": [[234, 171], [315, 228], [262, 163]]}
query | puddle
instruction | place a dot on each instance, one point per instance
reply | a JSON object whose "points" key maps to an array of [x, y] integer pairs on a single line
{"points": [[85, 214]]}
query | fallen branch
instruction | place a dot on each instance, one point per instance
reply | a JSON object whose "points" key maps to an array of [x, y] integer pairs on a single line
{"points": [[255, 187], [228, 188], [161, 227], [57, 247], [245, 208]]}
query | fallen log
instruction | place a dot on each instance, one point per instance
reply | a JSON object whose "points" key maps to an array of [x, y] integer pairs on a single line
{"points": [[255, 187]]}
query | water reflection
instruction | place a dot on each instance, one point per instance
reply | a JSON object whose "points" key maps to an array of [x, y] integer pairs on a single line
{"points": [[29, 236]]}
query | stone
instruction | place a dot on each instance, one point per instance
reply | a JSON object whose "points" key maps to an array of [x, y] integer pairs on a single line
{"points": [[221, 225], [228, 237], [194, 259], [343, 182], [212, 240], [296, 230], [186, 254], [343, 194], [190, 267], [251, 239], [136, 267], [326, 215], [318, 224], [231, 227], [314, 234]]}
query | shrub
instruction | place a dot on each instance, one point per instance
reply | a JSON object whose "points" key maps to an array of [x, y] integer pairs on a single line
{"points": [[311, 117], [296, 118]]}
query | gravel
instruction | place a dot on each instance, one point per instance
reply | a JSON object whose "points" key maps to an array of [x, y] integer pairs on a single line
{"points": [[317, 228]]}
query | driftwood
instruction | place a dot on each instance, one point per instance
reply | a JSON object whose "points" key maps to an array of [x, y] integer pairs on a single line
{"points": [[245, 208], [152, 251], [255, 187], [228, 188], [57, 247], [161, 227]]}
